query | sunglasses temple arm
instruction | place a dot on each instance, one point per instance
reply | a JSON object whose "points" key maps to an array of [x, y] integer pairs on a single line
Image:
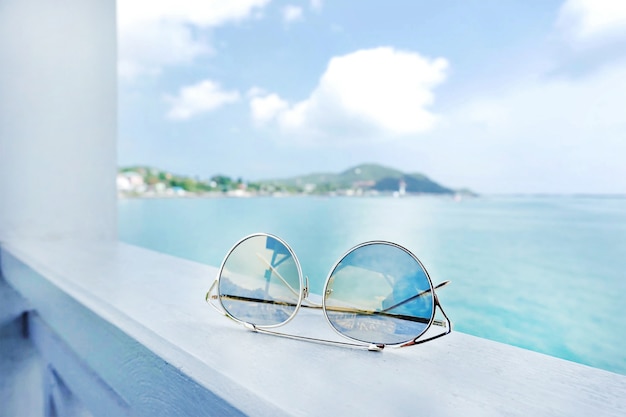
{"points": [[209, 297], [447, 324], [371, 347], [319, 307], [440, 285]]}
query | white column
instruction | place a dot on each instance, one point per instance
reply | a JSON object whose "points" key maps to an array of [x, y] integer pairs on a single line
{"points": [[58, 121]]}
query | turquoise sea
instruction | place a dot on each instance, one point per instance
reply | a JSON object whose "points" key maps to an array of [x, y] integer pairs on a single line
{"points": [[543, 273]]}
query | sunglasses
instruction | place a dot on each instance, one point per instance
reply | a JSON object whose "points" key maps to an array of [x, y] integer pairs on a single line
{"points": [[378, 294]]}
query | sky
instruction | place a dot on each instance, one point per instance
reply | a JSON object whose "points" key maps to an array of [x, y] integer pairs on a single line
{"points": [[498, 96]]}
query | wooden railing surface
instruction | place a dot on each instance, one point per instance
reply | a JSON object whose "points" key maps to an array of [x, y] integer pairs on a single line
{"points": [[123, 331]]}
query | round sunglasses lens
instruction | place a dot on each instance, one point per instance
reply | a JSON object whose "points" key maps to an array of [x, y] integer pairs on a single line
{"points": [[260, 282], [379, 293]]}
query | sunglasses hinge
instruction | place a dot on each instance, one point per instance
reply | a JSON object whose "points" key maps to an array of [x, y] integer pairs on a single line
{"points": [[250, 326], [305, 290], [375, 347]]}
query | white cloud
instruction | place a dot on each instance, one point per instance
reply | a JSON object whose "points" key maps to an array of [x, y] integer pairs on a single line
{"points": [[379, 91], [544, 132], [156, 33], [292, 13], [255, 92], [316, 5], [199, 98], [593, 20], [266, 107], [151, 45], [552, 134], [544, 105]]}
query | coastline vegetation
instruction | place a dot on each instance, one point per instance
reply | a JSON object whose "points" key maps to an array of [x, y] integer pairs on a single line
{"points": [[364, 179]]}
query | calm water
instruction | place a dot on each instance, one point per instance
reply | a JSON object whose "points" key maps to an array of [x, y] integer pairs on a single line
{"points": [[547, 274]]}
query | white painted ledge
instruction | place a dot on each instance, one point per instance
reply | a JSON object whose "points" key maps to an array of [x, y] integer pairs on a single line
{"points": [[137, 326]]}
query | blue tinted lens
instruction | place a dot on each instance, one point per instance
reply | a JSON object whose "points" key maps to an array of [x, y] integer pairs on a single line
{"points": [[260, 282], [379, 293]]}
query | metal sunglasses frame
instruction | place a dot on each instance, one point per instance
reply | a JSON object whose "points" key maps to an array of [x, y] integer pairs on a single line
{"points": [[303, 300]]}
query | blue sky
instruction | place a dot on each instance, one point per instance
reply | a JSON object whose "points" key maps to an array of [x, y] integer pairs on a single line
{"points": [[497, 96]]}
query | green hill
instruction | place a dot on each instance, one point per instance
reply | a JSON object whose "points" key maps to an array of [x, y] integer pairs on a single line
{"points": [[369, 172], [365, 177]]}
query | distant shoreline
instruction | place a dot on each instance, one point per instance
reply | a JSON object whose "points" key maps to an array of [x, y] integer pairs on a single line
{"points": [[126, 196]]}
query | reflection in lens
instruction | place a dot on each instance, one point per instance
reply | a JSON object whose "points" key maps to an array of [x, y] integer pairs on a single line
{"points": [[260, 281], [379, 293]]}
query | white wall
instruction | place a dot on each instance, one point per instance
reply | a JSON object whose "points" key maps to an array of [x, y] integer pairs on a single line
{"points": [[58, 121]]}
